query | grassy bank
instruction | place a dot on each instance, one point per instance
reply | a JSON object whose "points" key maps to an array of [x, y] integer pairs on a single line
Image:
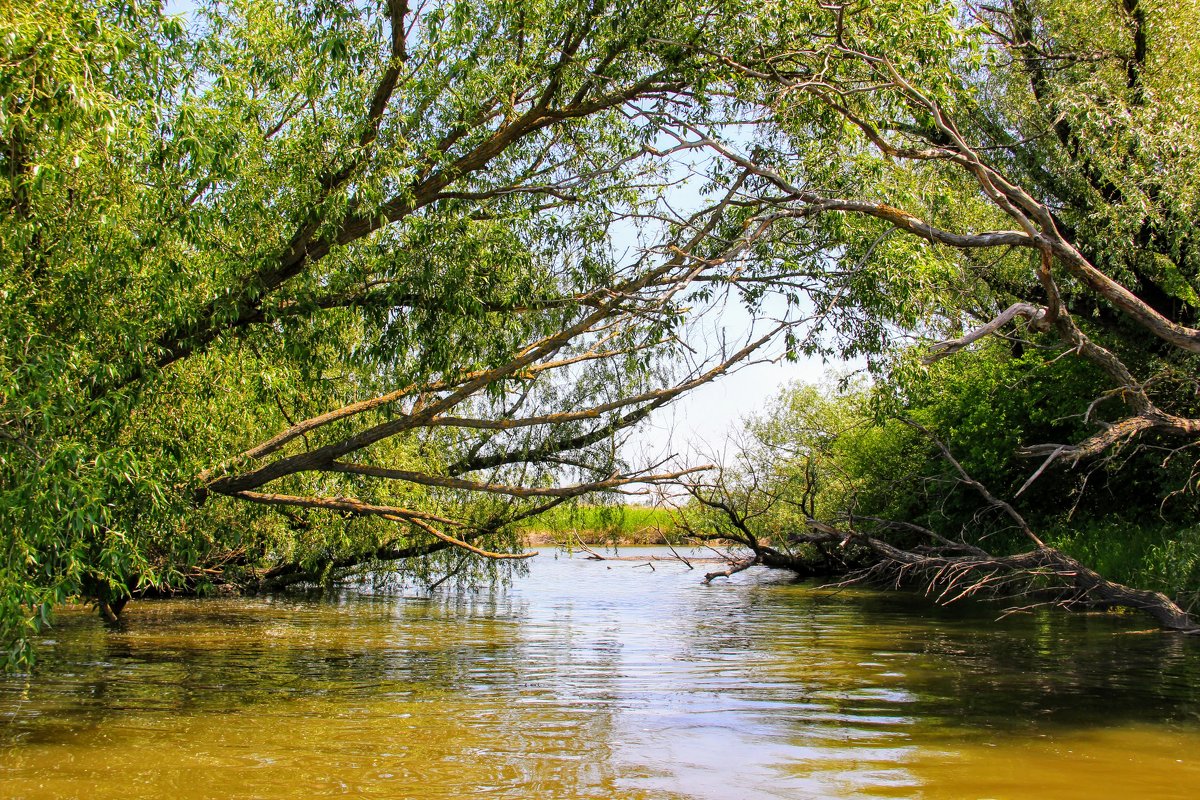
{"points": [[1147, 554], [626, 524]]}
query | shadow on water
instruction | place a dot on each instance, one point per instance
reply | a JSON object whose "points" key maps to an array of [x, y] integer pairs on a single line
{"points": [[966, 664]]}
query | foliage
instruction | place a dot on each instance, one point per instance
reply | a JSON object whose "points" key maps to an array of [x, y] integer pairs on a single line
{"points": [[218, 225], [845, 454], [284, 285]]}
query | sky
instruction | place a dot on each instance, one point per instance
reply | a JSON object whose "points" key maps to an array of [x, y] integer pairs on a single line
{"points": [[698, 423], [696, 426]]}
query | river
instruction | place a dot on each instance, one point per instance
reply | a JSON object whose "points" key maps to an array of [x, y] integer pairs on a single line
{"points": [[612, 679]]}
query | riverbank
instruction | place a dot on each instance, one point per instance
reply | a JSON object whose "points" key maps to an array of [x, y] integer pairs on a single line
{"points": [[625, 525], [596, 537]]}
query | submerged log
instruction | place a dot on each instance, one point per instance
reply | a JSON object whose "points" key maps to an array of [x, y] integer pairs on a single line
{"points": [[110, 610]]}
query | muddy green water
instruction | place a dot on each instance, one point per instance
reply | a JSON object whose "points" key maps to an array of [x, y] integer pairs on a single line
{"points": [[604, 680]]}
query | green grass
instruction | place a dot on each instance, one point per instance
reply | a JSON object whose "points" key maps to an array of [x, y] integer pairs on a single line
{"points": [[626, 524], [1160, 557]]}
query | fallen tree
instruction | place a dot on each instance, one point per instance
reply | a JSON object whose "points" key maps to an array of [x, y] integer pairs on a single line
{"points": [[734, 508], [1040, 577]]}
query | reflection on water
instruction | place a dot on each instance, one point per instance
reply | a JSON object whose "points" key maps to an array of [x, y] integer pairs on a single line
{"points": [[604, 680]]}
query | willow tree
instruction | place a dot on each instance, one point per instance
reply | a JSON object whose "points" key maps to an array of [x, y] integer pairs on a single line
{"points": [[295, 290], [987, 153], [291, 291]]}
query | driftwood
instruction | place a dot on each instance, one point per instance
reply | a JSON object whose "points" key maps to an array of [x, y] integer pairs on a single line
{"points": [[733, 568]]}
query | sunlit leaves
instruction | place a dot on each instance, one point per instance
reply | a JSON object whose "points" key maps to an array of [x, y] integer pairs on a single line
{"points": [[208, 233]]}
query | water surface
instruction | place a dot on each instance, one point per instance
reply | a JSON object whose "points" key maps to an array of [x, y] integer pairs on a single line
{"points": [[604, 680]]}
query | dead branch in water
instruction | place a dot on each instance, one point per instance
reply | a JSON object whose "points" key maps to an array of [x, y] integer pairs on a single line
{"points": [[1046, 574], [951, 572], [732, 569], [947, 570]]}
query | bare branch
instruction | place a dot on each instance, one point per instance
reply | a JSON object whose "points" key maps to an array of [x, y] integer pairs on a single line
{"points": [[1045, 571], [991, 499], [734, 568], [1035, 314]]}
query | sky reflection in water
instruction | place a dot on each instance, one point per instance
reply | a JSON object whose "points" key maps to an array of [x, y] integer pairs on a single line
{"points": [[604, 680]]}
